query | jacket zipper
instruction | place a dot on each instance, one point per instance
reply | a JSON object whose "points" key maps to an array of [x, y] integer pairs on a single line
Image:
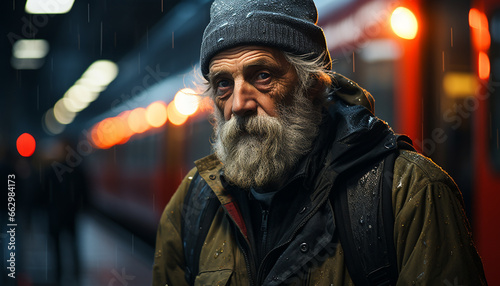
{"points": [[238, 238], [263, 229], [263, 226], [302, 223], [247, 260]]}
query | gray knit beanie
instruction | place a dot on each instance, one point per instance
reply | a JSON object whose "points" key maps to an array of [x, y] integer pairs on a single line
{"points": [[289, 25]]}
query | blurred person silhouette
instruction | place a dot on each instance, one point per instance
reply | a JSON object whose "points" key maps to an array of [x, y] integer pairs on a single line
{"points": [[65, 196], [25, 178]]}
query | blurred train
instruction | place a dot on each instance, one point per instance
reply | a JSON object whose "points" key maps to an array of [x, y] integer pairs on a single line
{"points": [[432, 66]]}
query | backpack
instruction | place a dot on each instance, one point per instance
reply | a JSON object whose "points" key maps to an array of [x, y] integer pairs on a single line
{"points": [[365, 221]]}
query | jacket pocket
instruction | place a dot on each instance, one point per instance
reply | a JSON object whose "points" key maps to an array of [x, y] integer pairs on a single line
{"points": [[213, 278]]}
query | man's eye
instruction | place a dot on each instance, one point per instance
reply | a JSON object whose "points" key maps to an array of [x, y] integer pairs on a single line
{"points": [[264, 75], [223, 83]]}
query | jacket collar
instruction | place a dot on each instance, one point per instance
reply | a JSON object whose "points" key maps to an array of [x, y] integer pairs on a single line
{"points": [[360, 138], [209, 169]]}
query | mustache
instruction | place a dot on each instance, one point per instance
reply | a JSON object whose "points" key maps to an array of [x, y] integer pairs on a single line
{"points": [[259, 126]]}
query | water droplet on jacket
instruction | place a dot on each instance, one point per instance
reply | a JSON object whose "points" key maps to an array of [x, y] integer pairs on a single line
{"points": [[223, 24], [263, 31], [369, 226], [216, 255], [220, 40], [361, 220], [249, 15]]}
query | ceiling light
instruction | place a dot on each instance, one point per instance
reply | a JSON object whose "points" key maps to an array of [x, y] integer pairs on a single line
{"points": [[51, 125], [81, 94], [48, 6], [30, 49], [101, 73], [63, 115]]}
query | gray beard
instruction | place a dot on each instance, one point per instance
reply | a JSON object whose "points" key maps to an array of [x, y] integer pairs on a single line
{"points": [[260, 151]]}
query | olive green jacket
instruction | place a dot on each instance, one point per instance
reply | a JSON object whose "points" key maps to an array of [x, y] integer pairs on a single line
{"points": [[431, 234]]}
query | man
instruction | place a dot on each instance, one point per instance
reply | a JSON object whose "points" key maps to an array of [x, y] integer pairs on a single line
{"points": [[290, 136]]}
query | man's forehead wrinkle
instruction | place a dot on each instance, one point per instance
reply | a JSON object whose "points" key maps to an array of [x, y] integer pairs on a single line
{"points": [[248, 58]]}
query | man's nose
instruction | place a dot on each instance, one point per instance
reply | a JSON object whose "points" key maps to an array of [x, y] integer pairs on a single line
{"points": [[244, 99]]}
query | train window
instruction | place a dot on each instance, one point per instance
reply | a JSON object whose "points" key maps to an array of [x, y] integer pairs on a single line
{"points": [[494, 98]]}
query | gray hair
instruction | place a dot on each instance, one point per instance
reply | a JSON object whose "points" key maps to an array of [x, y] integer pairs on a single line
{"points": [[312, 72]]}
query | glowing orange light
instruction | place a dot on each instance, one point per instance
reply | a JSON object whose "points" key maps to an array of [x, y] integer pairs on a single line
{"points": [[118, 132], [104, 133], [123, 117], [480, 32], [175, 116], [137, 120], [404, 23], [483, 66], [26, 145], [474, 18], [109, 132], [156, 114], [481, 39], [94, 136], [477, 19]]}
